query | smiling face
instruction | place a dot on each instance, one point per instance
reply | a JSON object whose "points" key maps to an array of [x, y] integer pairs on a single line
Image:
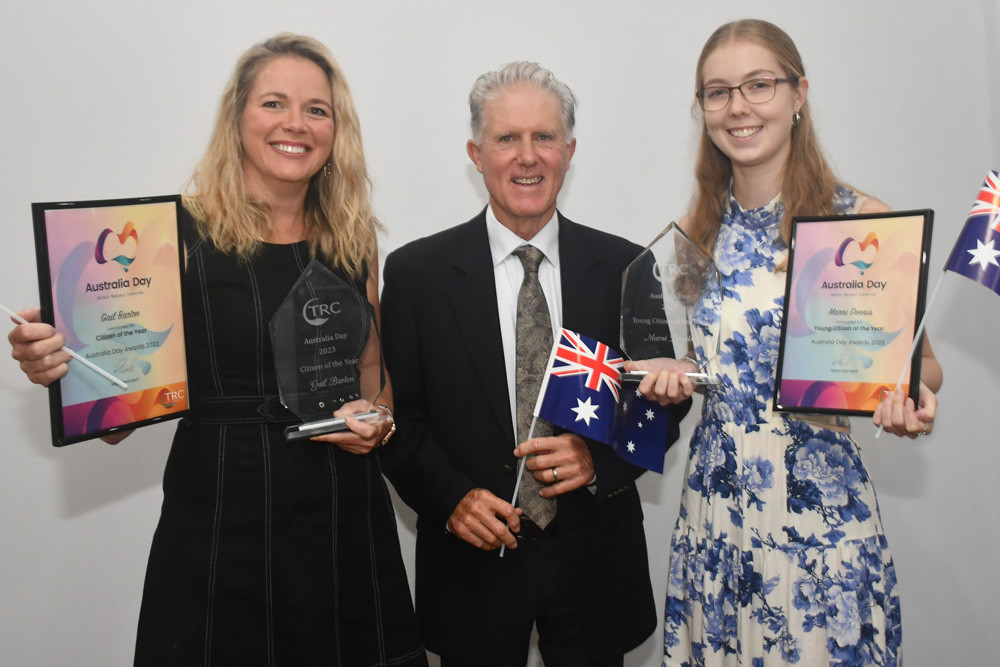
{"points": [[523, 156], [287, 128], [755, 137]]}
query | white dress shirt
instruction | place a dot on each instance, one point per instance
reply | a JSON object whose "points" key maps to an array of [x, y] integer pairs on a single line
{"points": [[509, 273]]}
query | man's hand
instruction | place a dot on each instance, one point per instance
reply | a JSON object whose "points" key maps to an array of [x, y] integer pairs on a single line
{"points": [[485, 521], [562, 462]]}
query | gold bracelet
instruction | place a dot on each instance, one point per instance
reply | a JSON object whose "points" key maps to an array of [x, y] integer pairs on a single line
{"points": [[392, 430], [392, 425]]}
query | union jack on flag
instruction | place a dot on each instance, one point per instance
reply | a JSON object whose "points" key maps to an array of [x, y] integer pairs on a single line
{"points": [[977, 249], [580, 389], [988, 200], [578, 355]]}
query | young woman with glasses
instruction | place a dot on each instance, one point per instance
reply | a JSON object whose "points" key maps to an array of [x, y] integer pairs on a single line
{"points": [[778, 555]]}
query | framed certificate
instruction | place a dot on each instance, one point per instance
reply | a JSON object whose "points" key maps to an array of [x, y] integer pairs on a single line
{"points": [[853, 300], [109, 277]]}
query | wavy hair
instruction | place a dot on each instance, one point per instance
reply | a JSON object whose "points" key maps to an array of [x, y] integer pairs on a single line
{"points": [[492, 84], [339, 224], [807, 186]]}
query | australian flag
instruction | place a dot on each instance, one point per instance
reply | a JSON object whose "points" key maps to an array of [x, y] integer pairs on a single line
{"points": [[978, 246], [581, 392]]}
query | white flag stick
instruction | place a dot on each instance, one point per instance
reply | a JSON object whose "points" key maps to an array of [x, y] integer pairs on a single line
{"points": [[73, 354], [534, 418], [916, 340], [520, 471]]}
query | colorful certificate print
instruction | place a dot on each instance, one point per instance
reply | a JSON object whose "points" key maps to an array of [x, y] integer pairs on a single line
{"points": [[853, 301], [109, 274]]}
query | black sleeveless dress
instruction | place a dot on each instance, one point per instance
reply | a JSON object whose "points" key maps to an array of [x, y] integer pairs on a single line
{"points": [[267, 552]]}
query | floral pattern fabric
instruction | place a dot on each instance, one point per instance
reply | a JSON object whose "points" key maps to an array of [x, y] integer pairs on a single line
{"points": [[778, 555]]}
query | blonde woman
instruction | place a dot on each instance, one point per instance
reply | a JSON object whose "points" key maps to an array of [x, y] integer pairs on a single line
{"points": [[268, 552]]}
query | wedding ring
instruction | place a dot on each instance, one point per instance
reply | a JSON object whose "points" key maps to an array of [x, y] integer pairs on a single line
{"points": [[924, 432], [555, 475]]}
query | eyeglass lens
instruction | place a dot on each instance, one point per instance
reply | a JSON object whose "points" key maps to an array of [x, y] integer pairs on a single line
{"points": [[754, 91]]}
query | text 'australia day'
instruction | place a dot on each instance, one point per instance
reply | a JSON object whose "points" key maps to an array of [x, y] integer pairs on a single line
{"points": [[121, 283], [856, 284]]}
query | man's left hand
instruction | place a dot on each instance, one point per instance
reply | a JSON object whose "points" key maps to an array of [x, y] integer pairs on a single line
{"points": [[561, 462]]}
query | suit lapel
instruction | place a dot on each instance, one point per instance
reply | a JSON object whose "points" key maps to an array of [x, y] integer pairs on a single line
{"points": [[474, 301], [472, 293], [581, 280]]}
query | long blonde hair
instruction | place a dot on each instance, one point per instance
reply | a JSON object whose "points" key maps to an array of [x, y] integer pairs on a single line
{"points": [[339, 223], [807, 186]]}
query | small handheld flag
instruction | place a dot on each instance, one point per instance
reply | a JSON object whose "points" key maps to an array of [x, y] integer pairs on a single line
{"points": [[975, 253], [581, 392], [978, 246], [580, 389]]}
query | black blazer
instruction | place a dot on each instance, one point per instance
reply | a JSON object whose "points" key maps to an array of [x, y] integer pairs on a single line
{"points": [[441, 336]]}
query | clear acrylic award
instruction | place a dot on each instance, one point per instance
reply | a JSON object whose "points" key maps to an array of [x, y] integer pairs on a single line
{"points": [[669, 300], [323, 334]]}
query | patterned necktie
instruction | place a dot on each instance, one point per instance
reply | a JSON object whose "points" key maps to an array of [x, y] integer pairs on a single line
{"points": [[533, 345]]}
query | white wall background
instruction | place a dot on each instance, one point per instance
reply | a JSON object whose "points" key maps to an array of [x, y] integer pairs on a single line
{"points": [[114, 99]]}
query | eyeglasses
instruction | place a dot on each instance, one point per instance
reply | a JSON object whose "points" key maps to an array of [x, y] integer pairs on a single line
{"points": [[755, 91]]}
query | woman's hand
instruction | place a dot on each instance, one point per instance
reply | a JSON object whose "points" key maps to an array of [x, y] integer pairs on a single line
{"points": [[898, 415], [38, 348], [362, 436], [666, 381]]}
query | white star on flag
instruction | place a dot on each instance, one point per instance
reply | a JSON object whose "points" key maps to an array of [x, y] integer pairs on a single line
{"points": [[631, 447], [585, 411], [984, 254], [650, 415]]}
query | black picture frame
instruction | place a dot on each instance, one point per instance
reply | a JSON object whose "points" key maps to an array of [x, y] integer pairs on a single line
{"points": [[104, 305], [836, 353]]}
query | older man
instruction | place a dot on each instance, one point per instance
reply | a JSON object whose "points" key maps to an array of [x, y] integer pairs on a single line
{"points": [[467, 314]]}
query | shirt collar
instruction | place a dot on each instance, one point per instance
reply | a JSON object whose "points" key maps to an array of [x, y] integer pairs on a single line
{"points": [[503, 241]]}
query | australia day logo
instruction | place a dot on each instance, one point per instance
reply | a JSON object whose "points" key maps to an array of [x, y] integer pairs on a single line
{"points": [[860, 254], [115, 247]]}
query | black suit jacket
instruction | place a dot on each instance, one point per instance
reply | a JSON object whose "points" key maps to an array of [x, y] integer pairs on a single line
{"points": [[441, 336]]}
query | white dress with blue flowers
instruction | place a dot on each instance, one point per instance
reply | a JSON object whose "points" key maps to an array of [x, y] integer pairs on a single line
{"points": [[778, 556]]}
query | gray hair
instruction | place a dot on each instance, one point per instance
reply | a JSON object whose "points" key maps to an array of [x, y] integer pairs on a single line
{"points": [[490, 85]]}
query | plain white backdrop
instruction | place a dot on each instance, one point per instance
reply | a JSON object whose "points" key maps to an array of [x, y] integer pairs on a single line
{"points": [[116, 99]]}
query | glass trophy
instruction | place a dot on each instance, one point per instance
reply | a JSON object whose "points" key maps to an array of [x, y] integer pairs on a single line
{"points": [[323, 336], [670, 298]]}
